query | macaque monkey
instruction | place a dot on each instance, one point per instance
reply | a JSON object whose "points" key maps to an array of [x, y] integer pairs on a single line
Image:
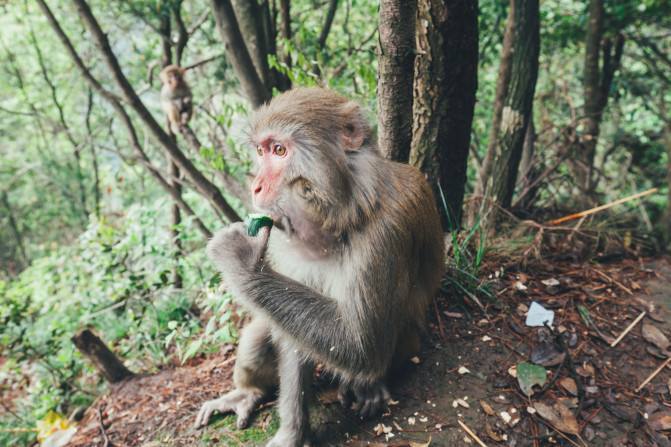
{"points": [[345, 276], [175, 97]]}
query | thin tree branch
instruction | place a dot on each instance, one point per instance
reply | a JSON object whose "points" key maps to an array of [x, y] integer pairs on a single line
{"points": [[328, 22]]}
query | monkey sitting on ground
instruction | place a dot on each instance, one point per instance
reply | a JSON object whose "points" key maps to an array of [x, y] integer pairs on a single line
{"points": [[345, 276], [175, 97]]}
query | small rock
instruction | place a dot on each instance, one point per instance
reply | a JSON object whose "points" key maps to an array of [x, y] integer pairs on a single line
{"points": [[415, 360], [463, 370]]}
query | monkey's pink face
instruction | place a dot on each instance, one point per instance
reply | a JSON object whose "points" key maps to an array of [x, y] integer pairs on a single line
{"points": [[273, 156]]}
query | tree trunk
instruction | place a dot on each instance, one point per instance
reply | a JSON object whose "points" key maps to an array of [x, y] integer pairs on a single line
{"points": [[517, 103], [94, 152], [502, 83], [176, 215], [596, 86], [250, 19], [530, 168], [394, 86], [101, 356], [14, 226], [229, 30], [592, 120], [285, 27], [445, 82]]}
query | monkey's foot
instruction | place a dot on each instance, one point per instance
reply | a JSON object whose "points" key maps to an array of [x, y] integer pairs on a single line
{"points": [[288, 438], [368, 400], [240, 402]]}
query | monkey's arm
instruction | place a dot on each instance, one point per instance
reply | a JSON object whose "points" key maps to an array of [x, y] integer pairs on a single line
{"points": [[358, 333], [342, 336]]}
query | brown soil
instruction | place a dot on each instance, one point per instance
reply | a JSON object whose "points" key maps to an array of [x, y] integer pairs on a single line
{"points": [[159, 409]]}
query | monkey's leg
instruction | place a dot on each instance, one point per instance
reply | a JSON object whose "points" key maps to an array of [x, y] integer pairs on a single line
{"points": [[295, 373], [254, 376]]}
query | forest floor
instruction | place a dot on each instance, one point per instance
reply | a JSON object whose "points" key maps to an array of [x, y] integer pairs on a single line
{"points": [[465, 373]]}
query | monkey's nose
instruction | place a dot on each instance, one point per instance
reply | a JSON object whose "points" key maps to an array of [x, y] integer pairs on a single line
{"points": [[258, 189]]}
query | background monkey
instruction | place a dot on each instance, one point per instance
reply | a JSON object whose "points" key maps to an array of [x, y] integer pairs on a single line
{"points": [[176, 97], [345, 276]]}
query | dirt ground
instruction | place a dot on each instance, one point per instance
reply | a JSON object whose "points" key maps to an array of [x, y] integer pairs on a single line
{"points": [[465, 373]]}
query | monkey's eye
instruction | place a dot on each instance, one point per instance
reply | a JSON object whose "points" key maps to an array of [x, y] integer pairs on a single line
{"points": [[279, 150], [259, 150]]}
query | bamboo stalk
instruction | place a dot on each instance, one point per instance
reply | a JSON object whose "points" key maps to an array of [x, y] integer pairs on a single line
{"points": [[602, 207]]}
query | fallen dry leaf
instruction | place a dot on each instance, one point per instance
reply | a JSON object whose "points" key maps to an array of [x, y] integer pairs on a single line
{"points": [[559, 416], [492, 433], [660, 421], [487, 408], [569, 385], [653, 335]]}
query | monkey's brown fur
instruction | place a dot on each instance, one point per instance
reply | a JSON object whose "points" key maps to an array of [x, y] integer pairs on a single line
{"points": [[346, 276], [176, 99]]}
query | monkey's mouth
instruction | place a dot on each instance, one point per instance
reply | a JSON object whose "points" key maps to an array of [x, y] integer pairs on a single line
{"points": [[284, 224]]}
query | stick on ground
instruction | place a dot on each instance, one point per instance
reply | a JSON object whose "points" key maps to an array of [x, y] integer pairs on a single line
{"points": [[471, 434], [654, 373], [626, 331], [602, 207]]}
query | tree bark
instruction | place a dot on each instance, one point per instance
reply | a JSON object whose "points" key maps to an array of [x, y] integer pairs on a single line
{"points": [[395, 75], [502, 82], [517, 103], [445, 82], [250, 18], [166, 59], [596, 86], [94, 153], [229, 30], [285, 27], [101, 356]]}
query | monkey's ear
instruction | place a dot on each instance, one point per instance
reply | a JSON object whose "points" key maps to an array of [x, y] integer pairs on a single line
{"points": [[355, 128]]}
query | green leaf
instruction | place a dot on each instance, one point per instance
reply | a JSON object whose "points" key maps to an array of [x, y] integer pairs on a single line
{"points": [[529, 375]]}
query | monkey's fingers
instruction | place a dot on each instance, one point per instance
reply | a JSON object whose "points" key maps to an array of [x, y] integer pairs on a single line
{"points": [[222, 405], [345, 396]]}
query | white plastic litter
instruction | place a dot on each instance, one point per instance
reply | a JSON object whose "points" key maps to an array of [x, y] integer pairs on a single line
{"points": [[538, 315]]}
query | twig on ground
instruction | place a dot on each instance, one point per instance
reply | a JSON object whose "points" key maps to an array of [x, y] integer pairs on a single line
{"points": [[629, 328], [106, 441], [471, 434], [654, 374], [602, 207], [614, 281]]}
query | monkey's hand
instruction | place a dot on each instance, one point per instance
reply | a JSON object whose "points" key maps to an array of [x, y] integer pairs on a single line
{"points": [[236, 254], [368, 400]]}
